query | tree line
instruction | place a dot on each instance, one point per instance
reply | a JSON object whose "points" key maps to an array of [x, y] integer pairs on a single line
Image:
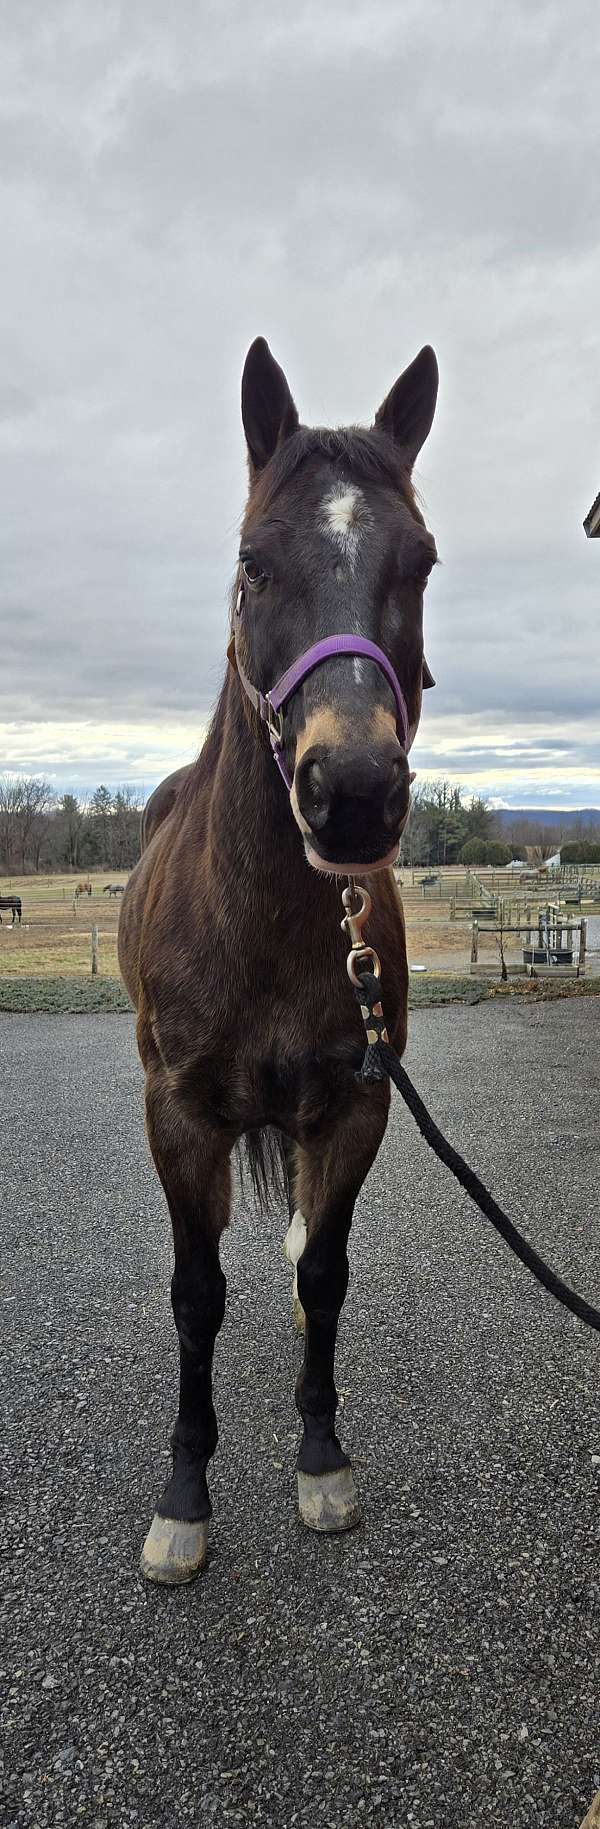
{"points": [[446, 829], [40, 830]]}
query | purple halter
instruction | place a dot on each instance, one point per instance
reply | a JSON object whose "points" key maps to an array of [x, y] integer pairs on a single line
{"points": [[270, 705]]}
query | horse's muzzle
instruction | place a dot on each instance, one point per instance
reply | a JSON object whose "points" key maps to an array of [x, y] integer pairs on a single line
{"points": [[351, 806]]}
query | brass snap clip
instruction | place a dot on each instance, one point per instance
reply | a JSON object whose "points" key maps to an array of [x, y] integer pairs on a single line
{"points": [[360, 955]]}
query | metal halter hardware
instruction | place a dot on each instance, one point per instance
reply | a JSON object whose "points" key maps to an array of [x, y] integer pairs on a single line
{"points": [[271, 705]]}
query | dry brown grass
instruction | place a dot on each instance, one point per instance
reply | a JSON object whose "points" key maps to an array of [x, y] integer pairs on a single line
{"points": [[54, 941]]}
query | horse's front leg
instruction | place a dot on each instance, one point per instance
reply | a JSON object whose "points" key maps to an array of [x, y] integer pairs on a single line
{"points": [[329, 1178], [193, 1164]]}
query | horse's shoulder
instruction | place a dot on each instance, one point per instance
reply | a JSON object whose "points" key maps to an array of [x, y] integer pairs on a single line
{"points": [[162, 802]]}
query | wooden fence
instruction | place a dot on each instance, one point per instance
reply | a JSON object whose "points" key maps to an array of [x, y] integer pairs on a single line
{"points": [[548, 945]]}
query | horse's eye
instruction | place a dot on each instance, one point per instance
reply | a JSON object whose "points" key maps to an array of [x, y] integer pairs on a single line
{"points": [[425, 566], [252, 571]]}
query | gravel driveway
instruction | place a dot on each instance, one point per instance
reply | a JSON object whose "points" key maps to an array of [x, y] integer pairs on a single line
{"points": [[440, 1666]]}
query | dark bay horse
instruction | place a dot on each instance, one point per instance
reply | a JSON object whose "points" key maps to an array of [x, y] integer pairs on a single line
{"points": [[229, 937], [12, 902]]}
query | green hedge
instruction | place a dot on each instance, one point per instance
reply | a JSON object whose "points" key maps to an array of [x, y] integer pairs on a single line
{"points": [[485, 851], [580, 851]]}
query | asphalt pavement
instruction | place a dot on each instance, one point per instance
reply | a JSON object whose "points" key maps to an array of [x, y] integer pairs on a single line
{"points": [[437, 1667]]}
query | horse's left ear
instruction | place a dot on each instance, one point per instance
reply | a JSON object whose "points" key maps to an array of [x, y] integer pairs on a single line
{"points": [[407, 412], [268, 411]]}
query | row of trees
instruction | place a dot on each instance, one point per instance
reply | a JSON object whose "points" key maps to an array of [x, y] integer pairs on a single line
{"points": [[442, 825], [40, 831], [577, 851], [445, 829]]}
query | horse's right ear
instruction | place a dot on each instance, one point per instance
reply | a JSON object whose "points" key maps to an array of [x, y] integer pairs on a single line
{"points": [[268, 411]]}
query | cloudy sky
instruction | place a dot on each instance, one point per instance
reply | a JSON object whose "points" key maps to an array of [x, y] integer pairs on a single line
{"points": [[350, 179]]}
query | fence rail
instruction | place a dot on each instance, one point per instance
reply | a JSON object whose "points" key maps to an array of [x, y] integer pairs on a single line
{"points": [[549, 941]]}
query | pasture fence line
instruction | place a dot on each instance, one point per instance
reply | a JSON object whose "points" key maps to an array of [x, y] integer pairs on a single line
{"points": [[548, 946]]}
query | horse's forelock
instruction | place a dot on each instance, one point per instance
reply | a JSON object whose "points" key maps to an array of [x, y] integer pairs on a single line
{"points": [[369, 455]]}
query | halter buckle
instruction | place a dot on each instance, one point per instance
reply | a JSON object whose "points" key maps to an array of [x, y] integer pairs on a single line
{"points": [[274, 724]]}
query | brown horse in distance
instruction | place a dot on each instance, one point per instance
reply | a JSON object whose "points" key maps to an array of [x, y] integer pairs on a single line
{"points": [[229, 937]]}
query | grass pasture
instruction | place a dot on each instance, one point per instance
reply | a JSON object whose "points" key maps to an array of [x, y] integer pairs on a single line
{"points": [[46, 963], [55, 938]]}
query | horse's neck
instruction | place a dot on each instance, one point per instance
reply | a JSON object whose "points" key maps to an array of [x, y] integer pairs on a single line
{"points": [[256, 850]]}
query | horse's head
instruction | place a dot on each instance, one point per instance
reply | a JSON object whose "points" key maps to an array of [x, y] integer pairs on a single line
{"points": [[333, 543]]}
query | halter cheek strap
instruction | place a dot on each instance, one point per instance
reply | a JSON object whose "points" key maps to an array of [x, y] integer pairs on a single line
{"points": [[271, 705]]}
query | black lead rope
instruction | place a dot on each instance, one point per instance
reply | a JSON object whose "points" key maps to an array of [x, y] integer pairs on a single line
{"points": [[381, 1062]]}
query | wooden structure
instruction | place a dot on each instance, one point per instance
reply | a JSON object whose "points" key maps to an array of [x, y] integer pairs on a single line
{"points": [[549, 948], [592, 521]]}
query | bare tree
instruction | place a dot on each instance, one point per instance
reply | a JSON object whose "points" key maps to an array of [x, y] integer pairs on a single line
{"points": [[11, 796], [36, 800]]}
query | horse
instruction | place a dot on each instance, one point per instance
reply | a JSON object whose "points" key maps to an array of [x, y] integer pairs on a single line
{"points": [[248, 1027], [84, 888], [114, 889], [14, 902]]}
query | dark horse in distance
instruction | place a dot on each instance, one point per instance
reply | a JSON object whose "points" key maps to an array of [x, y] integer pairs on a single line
{"points": [[13, 902], [229, 937]]}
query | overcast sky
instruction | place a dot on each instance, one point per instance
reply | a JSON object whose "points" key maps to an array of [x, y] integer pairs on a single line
{"points": [[350, 180]]}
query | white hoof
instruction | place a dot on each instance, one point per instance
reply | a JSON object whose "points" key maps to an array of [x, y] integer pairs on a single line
{"points": [[174, 1551], [593, 1815], [293, 1245], [328, 1501]]}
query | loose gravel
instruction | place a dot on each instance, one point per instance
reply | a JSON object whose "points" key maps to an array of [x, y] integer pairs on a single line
{"points": [[438, 1667]]}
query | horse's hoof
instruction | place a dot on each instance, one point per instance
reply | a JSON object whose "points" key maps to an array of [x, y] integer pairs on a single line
{"points": [[174, 1551], [329, 1501], [593, 1815]]}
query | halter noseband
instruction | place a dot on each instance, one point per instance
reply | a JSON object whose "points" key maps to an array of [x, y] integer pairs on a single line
{"points": [[271, 705]]}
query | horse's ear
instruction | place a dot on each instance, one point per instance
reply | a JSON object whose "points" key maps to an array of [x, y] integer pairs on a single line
{"points": [[268, 411], [407, 412]]}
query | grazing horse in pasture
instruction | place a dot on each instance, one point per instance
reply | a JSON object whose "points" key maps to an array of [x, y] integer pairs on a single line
{"points": [[229, 935], [82, 889], [114, 889], [14, 902]]}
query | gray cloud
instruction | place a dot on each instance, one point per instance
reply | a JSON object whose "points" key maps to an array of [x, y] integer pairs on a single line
{"points": [[351, 182]]}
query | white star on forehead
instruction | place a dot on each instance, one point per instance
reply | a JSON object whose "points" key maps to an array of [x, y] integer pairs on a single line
{"points": [[345, 516]]}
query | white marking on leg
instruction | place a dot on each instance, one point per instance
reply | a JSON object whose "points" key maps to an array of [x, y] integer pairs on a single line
{"points": [[345, 516], [293, 1245], [295, 1238]]}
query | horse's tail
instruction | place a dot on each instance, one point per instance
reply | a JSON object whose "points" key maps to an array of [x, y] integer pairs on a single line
{"points": [[262, 1156]]}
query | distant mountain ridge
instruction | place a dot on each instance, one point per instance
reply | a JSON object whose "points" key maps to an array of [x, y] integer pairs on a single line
{"points": [[549, 816]]}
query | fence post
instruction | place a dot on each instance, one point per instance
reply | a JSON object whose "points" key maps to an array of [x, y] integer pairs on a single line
{"points": [[582, 944], [453, 908], [474, 942], [94, 952]]}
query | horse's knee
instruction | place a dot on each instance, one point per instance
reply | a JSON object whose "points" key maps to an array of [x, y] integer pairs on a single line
{"points": [[323, 1275], [198, 1303]]}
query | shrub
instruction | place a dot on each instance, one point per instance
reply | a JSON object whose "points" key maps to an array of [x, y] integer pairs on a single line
{"points": [[485, 851], [580, 851]]}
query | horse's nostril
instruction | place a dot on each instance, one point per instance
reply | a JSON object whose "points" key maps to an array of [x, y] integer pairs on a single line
{"points": [[313, 796], [393, 806]]}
